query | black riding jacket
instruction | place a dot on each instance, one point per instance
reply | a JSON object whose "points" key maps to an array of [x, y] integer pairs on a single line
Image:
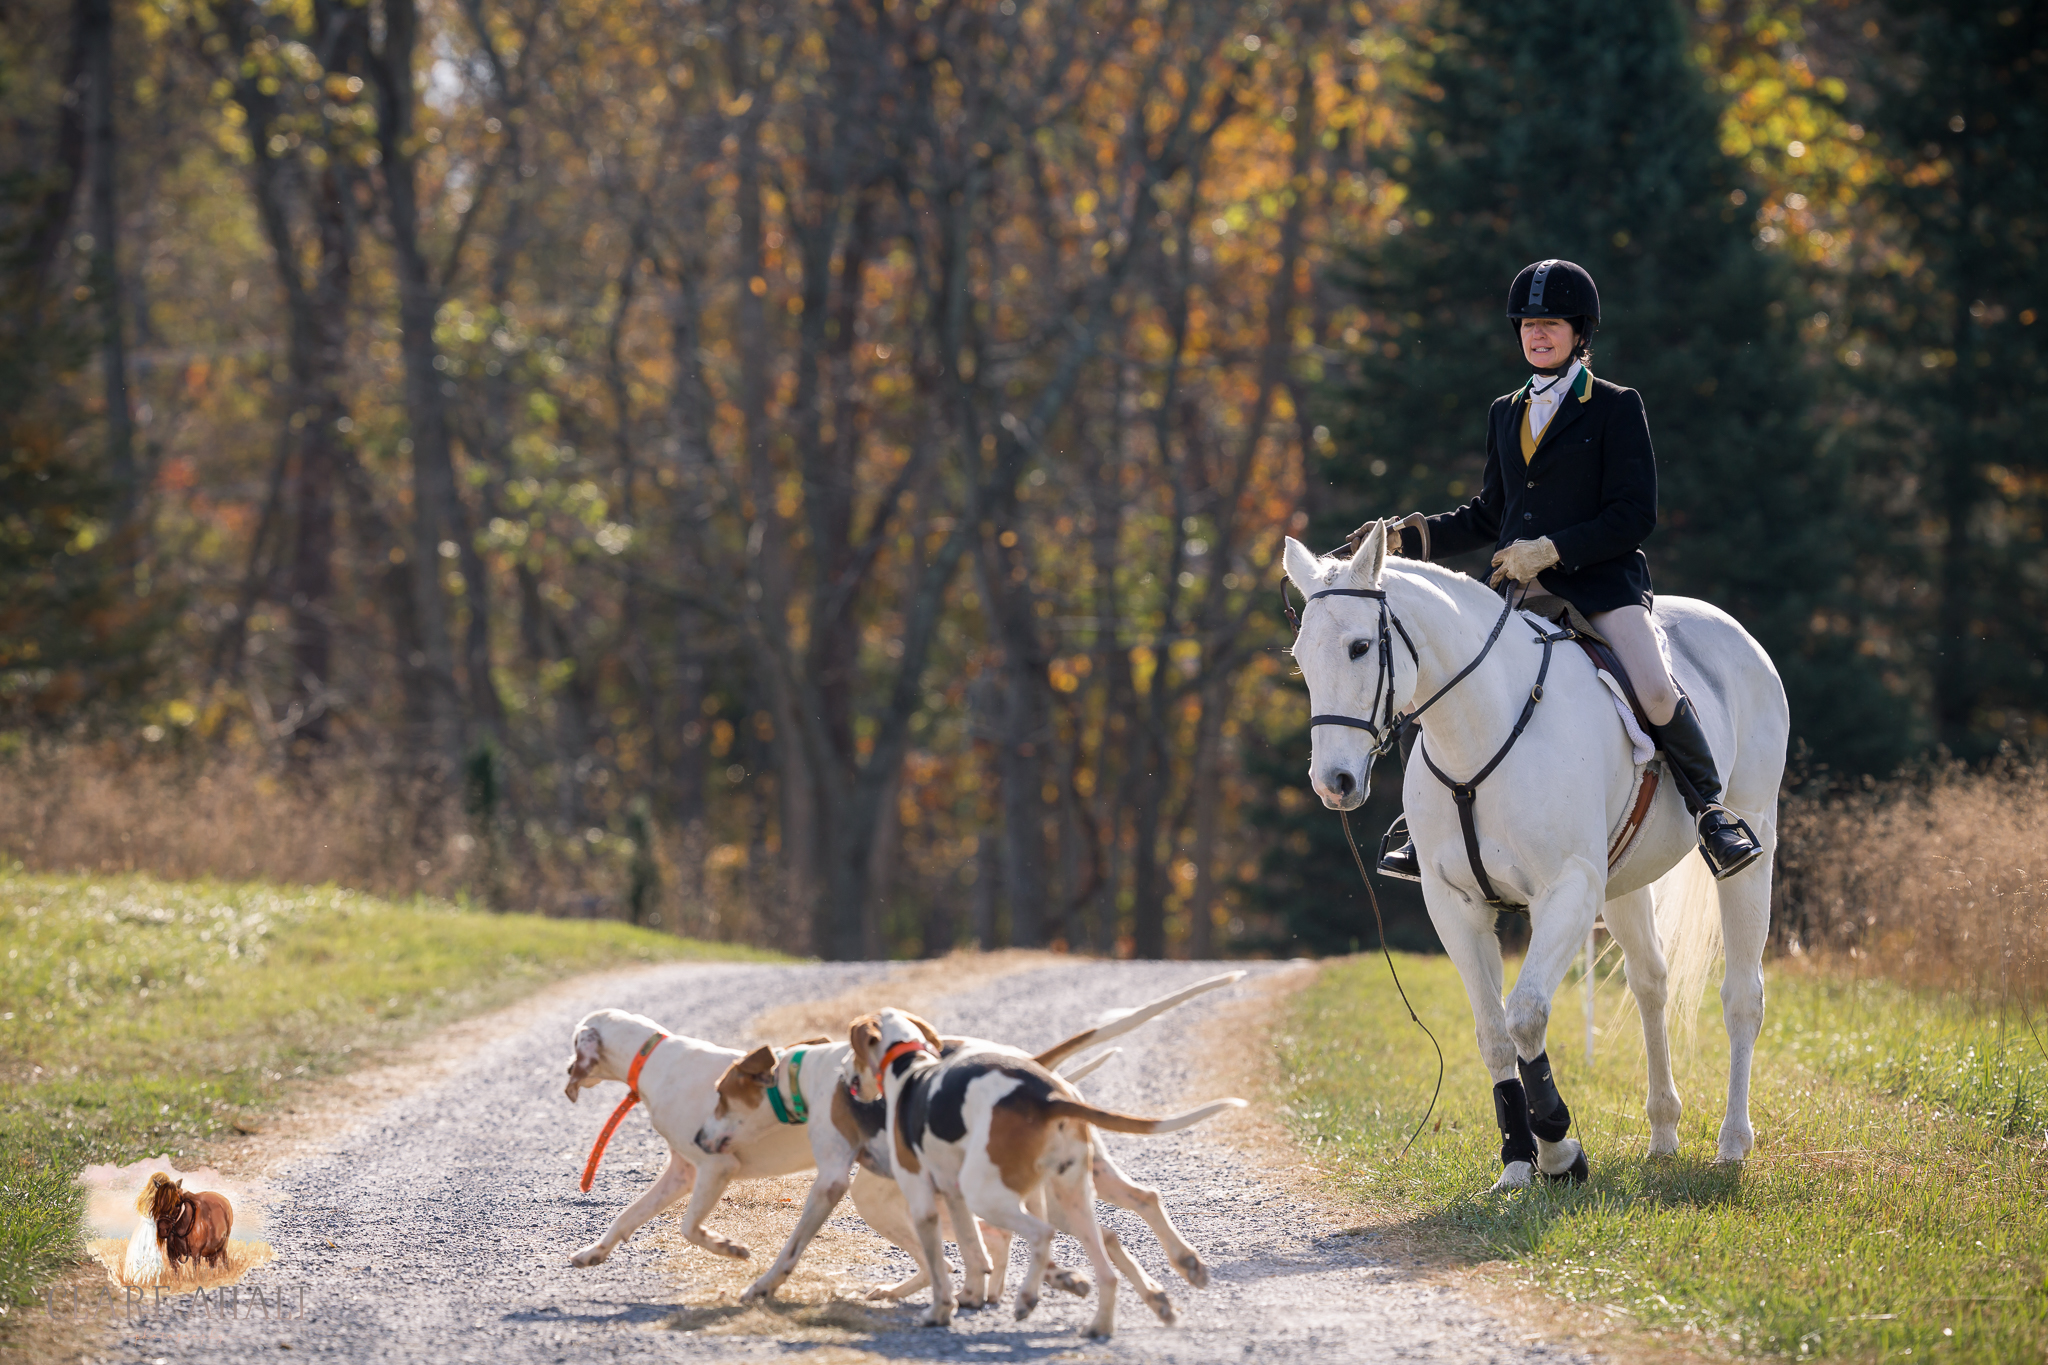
{"points": [[1591, 487]]}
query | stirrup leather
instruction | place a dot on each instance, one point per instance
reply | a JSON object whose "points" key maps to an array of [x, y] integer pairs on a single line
{"points": [[1395, 843]]}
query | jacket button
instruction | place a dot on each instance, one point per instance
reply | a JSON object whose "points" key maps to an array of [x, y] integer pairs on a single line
{"points": [[1528, 516], [1532, 483]]}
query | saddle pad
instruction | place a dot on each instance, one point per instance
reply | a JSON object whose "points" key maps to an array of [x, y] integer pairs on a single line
{"points": [[1640, 743]]}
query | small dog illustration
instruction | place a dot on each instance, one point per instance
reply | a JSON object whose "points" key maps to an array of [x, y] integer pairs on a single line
{"points": [[189, 1227]]}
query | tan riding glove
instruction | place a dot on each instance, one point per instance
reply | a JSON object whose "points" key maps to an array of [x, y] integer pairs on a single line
{"points": [[1522, 561]]}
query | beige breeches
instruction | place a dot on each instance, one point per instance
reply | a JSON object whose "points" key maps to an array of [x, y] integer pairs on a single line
{"points": [[1628, 630]]}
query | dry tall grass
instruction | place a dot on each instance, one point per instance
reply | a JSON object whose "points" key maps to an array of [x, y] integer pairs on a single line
{"points": [[1938, 880], [352, 822]]}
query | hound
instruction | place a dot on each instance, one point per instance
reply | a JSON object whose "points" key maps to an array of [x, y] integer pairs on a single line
{"points": [[682, 1079], [982, 1131]]}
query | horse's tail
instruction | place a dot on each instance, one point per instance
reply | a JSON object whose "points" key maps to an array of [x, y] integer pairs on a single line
{"points": [[1688, 912]]}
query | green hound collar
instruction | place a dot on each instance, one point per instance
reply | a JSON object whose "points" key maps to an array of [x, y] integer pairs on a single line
{"points": [[796, 1111]]}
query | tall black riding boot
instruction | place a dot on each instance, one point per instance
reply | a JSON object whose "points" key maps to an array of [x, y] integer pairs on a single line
{"points": [[1726, 841], [1402, 862]]}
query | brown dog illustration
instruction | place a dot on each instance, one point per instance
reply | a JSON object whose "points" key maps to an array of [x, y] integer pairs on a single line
{"points": [[188, 1226]]}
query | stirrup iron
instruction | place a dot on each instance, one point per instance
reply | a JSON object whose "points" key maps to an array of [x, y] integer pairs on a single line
{"points": [[1398, 858], [1738, 853]]}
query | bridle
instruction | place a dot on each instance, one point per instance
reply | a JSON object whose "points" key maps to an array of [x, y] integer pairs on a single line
{"points": [[1388, 729], [1385, 731]]}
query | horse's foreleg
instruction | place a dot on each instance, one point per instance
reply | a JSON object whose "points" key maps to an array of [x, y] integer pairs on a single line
{"points": [[1632, 920], [1745, 924], [1559, 918], [1466, 930]]}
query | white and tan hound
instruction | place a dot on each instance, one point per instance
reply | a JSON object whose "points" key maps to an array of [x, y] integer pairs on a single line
{"points": [[982, 1132]]}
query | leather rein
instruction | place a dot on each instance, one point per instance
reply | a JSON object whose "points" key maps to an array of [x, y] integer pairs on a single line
{"points": [[1387, 731]]}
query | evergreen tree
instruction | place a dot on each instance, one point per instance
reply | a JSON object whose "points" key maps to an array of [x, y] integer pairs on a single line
{"points": [[1585, 131], [1589, 135], [1960, 327]]}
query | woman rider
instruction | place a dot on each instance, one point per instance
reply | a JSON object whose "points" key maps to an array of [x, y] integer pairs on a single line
{"points": [[1570, 520]]}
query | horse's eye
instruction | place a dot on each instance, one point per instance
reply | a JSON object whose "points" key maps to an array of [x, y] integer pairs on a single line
{"points": [[1360, 648]]}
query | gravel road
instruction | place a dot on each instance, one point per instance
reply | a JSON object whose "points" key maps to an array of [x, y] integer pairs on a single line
{"points": [[440, 1228]]}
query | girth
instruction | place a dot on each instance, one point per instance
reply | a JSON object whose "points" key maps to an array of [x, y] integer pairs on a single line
{"points": [[1466, 793]]}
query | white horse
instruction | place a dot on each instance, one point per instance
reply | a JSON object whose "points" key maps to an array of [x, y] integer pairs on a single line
{"points": [[1545, 815]]}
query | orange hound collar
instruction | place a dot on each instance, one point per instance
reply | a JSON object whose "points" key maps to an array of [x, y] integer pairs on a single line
{"points": [[619, 1114], [900, 1049]]}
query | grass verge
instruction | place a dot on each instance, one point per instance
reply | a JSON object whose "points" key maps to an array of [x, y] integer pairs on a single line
{"points": [[1897, 1202], [140, 1017]]}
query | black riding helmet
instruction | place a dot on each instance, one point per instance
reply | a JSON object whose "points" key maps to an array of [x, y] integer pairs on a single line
{"points": [[1556, 289]]}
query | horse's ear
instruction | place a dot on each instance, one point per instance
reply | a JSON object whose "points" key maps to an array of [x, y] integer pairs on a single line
{"points": [[1369, 561], [1302, 566]]}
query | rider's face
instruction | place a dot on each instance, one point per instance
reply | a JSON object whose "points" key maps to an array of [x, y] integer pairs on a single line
{"points": [[1546, 341]]}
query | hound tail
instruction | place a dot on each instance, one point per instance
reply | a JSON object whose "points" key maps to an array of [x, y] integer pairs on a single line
{"points": [[1125, 1021], [1126, 1123]]}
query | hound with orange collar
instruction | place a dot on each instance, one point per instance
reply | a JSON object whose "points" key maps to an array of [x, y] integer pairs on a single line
{"points": [[982, 1131]]}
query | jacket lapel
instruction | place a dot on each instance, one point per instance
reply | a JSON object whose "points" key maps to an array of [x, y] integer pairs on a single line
{"points": [[1568, 414]]}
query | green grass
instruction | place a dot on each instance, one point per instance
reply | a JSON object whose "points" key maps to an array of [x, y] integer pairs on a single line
{"points": [[1897, 1200], [140, 1017]]}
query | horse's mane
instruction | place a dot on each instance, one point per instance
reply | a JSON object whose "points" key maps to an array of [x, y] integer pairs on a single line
{"points": [[1461, 588]]}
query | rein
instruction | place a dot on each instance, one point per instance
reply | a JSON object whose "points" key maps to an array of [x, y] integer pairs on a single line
{"points": [[625, 1106]]}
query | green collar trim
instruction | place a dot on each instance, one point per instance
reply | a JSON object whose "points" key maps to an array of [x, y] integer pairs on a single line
{"points": [[796, 1111], [1582, 385]]}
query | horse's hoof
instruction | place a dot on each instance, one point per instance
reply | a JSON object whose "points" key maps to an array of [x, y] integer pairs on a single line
{"points": [[1513, 1176], [1574, 1174], [1193, 1271]]}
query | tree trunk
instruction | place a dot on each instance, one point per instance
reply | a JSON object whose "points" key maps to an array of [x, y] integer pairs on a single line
{"points": [[96, 31], [435, 514]]}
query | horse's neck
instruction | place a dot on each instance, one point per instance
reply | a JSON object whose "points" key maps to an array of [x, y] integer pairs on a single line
{"points": [[1468, 725]]}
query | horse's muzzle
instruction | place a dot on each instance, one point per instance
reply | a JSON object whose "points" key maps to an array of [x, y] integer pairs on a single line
{"points": [[1341, 789]]}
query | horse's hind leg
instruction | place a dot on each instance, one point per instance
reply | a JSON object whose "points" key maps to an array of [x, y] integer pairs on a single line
{"points": [[1632, 920], [1745, 924]]}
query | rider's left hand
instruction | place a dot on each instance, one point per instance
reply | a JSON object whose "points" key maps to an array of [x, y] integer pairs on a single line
{"points": [[1522, 561]]}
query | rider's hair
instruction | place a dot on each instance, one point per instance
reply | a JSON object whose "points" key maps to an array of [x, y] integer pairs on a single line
{"points": [[1582, 340]]}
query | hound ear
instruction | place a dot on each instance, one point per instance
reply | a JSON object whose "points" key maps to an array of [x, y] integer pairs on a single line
{"points": [[1302, 567], [865, 1036], [931, 1035], [1370, 560], [758, 1063]]}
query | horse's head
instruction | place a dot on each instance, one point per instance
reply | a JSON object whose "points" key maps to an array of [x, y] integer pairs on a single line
{"points": [[159, 1198], [1338, 651]]}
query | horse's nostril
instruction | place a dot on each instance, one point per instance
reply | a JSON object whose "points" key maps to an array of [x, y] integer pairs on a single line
{"points": [[1342, 782]]}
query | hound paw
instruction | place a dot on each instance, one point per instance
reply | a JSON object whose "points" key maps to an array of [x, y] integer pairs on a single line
{"points": [[1025, 1303], [938, 1315], [1161, 1306], [1099, 1330], [1514, 1176], [594, 1254], [1072, 1282], [719, 1246], [763, 1288], [1192, 1270]]}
